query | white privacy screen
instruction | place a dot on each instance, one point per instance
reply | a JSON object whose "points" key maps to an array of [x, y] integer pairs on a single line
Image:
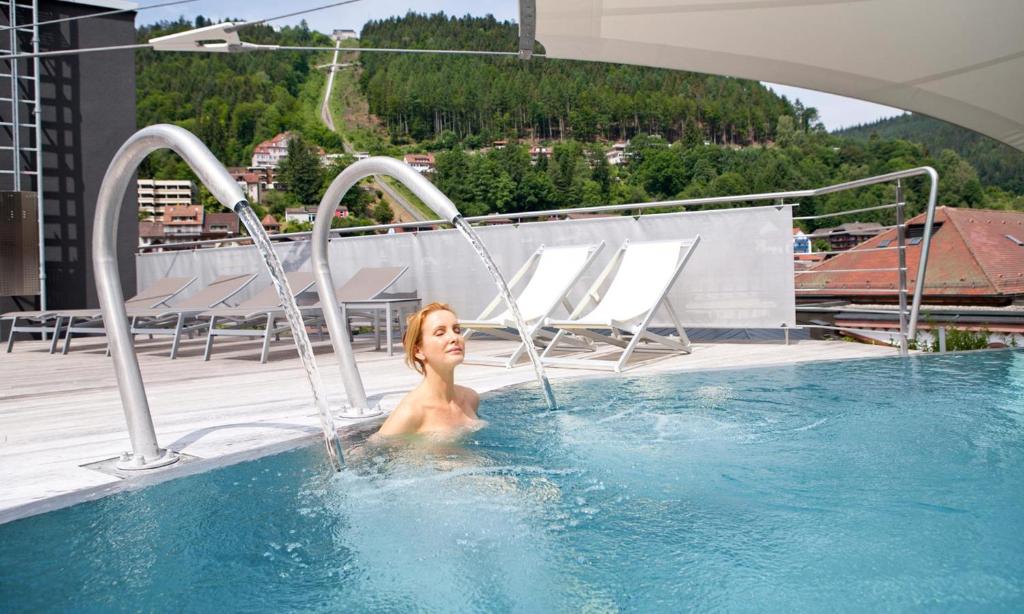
{"points": [[740, 276]]}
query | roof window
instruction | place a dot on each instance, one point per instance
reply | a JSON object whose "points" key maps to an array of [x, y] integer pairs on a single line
{"points": [[917, 230]]}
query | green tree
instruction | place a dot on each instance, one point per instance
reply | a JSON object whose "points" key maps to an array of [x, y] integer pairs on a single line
{"points": [[300, 171], [383, 213]]}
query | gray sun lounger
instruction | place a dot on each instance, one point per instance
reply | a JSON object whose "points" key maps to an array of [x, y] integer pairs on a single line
{"points": [[182, 317], [369, 284], [256, 317], [89, 320]]}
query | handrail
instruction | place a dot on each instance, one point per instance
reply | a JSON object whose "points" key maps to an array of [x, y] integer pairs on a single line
{"points": [[777, 198]]}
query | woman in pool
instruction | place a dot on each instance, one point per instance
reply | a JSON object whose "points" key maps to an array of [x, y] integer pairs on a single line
{"points": [[434, 346]]}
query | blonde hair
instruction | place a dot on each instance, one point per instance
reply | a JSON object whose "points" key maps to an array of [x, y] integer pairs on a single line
{"points": [[414, 333]]}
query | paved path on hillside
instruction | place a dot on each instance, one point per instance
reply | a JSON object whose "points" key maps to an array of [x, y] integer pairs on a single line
{"points": [[396, 197], [406, 210], [325, 112]]}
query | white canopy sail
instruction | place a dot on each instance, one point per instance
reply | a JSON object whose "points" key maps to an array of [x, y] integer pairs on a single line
{"points": [[957, 60]]}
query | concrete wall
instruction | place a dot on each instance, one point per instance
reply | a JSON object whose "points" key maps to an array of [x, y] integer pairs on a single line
{"points": [[740, 276]]}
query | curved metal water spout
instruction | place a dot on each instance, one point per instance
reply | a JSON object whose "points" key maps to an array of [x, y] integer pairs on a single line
{"points": [[146, 453], [362, 169], [441, 205]]}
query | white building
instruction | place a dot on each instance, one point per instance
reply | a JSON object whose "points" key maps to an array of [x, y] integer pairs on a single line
{"points": [[305, 215], [344, 35], [617, 154], [156, 194], [269, 153], [422, 163]]}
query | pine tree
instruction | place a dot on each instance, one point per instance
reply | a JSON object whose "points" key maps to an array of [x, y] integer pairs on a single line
{"points": [[301, 172]]}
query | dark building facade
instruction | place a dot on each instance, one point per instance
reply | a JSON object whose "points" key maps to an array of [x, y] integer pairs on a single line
{"points": [[88, 111]]}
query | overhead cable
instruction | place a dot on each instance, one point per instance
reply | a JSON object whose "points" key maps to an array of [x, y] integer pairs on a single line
{"points": [[101, 14]]}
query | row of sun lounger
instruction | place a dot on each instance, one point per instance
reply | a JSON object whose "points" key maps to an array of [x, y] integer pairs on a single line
{"points": [[209, 309], [616, 310]]}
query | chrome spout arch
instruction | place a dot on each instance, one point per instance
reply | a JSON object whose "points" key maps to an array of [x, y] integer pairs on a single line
{"points": [[146, 452], [356, 172]]}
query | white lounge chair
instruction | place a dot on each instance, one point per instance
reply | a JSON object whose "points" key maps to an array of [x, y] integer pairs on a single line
{"points": [[637, 282], [555, 270]]}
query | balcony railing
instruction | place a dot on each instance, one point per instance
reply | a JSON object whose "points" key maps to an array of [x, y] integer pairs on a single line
{"points": [[909, 309]]}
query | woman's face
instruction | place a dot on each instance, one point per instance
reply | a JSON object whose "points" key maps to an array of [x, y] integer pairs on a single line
{"points": [[441, 342]]}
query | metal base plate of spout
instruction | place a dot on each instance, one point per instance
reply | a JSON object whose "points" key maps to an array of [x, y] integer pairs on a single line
{"points": [[136, 462], [360, 412]]}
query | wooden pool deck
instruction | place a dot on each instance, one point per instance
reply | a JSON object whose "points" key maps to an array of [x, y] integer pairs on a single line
{"points": [[61, 413]]}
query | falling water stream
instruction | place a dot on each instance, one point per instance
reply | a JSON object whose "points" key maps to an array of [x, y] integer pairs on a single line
{"points": [[277, 276], [492, 268]]}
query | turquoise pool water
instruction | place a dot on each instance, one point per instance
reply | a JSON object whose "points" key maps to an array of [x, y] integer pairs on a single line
{"points": [[849, 486]]}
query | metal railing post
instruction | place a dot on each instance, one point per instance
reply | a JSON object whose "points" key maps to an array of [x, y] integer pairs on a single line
{"points": [[146, 453], [336, 324], [901, 243], [926, 245]]}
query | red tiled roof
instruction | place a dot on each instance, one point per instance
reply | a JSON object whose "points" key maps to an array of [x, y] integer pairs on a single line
{"points": [[970, 256], [269, 221], [419, 158], [193, 212], [227, 219], [279, 140], [149, 229]]}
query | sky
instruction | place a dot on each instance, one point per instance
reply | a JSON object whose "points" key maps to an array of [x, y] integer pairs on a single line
{"points": [[835, 111]]}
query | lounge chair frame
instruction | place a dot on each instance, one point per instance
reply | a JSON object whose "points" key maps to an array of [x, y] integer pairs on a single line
{"points": [[249, 320], [183, 319], [666, 345], [485, 324]]}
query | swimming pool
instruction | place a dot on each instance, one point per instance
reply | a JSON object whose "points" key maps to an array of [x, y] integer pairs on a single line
{"points": [[855, 485]]}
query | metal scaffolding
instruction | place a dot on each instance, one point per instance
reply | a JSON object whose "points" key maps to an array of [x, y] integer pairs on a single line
{"points": [[21, 153]]}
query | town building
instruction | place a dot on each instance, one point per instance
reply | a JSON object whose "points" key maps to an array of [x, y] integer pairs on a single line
{"points": [[307, 215], [224, 225], [269, 153], [976, 258], [344, 35], [849, 235], [421, 163], [183, 223], [186, 223], [252, 181], [154, 195], [270, 224], [537, 152], [617, 154], [151, 232]]}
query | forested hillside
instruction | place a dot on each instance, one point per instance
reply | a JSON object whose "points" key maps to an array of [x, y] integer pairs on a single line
{"points": [[689, 135], [231, 101], [479, 99], [997, 164]]}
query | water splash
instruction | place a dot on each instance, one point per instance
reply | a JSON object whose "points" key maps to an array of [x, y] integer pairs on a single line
{"points": [[492, 268], [291, 310]]}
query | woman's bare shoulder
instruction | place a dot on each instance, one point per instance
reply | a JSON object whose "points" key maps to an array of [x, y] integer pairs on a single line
{"points": [[469, 396], [406, 418]]}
